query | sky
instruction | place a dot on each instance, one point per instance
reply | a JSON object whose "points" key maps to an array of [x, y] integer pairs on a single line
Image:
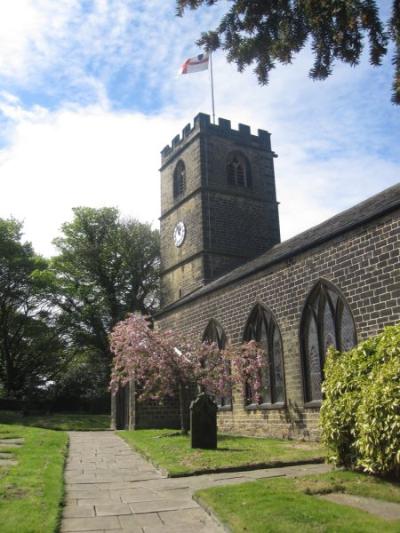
{"points": [[89, 96]]}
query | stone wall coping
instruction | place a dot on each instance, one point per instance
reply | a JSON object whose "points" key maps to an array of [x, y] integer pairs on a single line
{"points": [[374, 207]]}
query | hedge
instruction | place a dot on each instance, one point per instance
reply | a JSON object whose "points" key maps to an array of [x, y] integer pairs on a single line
{"points": [[360, 413]]}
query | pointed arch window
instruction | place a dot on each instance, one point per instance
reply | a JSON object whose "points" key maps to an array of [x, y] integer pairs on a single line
{"points": [[261, 326], [215, 333], [179, 179], [238, 170], [326, 321]]}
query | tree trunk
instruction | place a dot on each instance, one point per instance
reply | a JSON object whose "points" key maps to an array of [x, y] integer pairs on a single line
{"points": [[182, 407]]}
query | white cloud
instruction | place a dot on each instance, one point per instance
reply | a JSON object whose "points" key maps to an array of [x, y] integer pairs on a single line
{"points": [[69, 49], [334, 149], [337, 140], [93, 156], [28, 31], [88, 156]]}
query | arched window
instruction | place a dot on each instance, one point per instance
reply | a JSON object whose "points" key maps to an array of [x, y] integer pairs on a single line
{"points": [[238, 170], [262, 327], [215, 333], [179, 179], [326, 321]]}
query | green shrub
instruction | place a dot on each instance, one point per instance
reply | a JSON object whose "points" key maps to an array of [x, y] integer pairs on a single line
{"points": [[345, 375], [378, 421], [355, 429]]}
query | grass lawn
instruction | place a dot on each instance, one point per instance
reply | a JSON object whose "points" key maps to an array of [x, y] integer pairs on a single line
{"points": [[32, 490], [64, 422], [172, 451], [290, 505]]}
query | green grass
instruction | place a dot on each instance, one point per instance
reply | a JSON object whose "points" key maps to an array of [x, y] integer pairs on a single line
{"points": [[290, 505], [172, 451], [64, 422], [32, 490]]}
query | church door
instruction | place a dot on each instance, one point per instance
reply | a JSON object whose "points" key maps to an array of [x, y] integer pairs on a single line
{"points": [[122, 406]]}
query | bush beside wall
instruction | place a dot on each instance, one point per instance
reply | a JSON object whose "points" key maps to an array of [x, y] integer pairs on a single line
{"points": [[360, 414]]}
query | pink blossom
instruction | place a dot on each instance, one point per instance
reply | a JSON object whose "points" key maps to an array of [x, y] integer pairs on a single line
{"points": [[161, 362]]}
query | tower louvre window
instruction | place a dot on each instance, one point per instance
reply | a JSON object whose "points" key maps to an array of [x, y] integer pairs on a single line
{"points": [[179, 179], [326, 321], [262, 327], [238, 170]]}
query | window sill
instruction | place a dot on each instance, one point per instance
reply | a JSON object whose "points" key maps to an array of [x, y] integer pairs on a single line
{"points": [[316, 404], [265, 406], [251, 407], [271, 406], [224, 408]]}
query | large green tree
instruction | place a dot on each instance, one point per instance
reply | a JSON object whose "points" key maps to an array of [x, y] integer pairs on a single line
{"points": [[31, 348], [106, 267], [263, 32]]}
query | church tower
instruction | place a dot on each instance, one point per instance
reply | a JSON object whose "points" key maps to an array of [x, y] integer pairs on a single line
{"points": [[218, 204]]}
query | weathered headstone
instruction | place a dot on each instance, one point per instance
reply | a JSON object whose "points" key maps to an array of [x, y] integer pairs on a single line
{"points": [[203, 422]]}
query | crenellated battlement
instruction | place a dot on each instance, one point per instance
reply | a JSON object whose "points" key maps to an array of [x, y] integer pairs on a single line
{"points": [[202, 123]]}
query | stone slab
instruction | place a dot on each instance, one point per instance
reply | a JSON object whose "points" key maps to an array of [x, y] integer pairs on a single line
{"points": [[90, 524], [6, 455], [75, 511], [380, 508], [15, 442], [99, 501], [137, 495], [162, 505], [191, 518], [151, 520], [112, 509], [7, 462]]}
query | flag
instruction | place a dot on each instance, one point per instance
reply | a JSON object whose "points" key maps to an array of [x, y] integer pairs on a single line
{"points": [[195, 64]]}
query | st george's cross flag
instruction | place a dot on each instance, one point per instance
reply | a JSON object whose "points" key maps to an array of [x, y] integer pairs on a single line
{"points": [[195, 64]]}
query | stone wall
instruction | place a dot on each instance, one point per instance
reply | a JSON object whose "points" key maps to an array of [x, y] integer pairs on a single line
{"points": [[363, 263], [153, 414]]}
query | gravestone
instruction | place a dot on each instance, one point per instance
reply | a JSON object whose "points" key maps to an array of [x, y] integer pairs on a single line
{"points": [[203, 422]]}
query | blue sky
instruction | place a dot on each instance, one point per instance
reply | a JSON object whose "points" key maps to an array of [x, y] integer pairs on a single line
{"points": [[89, 96]]}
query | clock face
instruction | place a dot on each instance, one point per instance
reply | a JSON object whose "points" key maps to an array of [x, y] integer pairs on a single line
{"points": [[179, 234]]}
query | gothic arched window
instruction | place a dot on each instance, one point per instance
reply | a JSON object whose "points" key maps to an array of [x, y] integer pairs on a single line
{"points": [[262, 327], [215, 333], [238, 170], [326, 321], [179, 179]]}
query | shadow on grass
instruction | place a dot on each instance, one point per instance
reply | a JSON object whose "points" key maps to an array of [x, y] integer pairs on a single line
{"points": [[56, 421], [230, 450]]}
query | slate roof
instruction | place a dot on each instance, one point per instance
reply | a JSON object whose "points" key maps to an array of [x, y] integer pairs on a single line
{"points": [[374, 207]]}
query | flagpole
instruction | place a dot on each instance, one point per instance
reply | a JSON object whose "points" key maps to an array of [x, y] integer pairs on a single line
{"points": [[212, 89]]}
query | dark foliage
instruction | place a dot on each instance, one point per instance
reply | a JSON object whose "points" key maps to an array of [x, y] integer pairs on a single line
{"points": [[265, 32], [106, 268], [31, 347]]}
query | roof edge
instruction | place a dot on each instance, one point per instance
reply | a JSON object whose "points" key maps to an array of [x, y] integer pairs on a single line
{"points": [[230, 277]]}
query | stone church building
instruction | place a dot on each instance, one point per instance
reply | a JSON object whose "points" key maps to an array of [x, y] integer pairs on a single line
{"points": [[226, 276]]}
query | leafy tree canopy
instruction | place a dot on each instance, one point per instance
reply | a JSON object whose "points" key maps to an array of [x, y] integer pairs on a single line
{"points": [[265, 32], [30, 347], [106, 267]]}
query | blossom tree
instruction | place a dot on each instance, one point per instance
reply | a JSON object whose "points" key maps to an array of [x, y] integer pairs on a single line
{"points": [[163, 363], [250, 361]]}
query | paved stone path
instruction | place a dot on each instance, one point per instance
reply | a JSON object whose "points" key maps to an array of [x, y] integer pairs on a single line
{"points": [[111, 488]]}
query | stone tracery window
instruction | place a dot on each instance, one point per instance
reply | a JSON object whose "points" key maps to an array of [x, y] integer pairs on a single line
{"points": [[238, 170], [215, 333], [262, 327], [179, 179], [326, 321]]}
